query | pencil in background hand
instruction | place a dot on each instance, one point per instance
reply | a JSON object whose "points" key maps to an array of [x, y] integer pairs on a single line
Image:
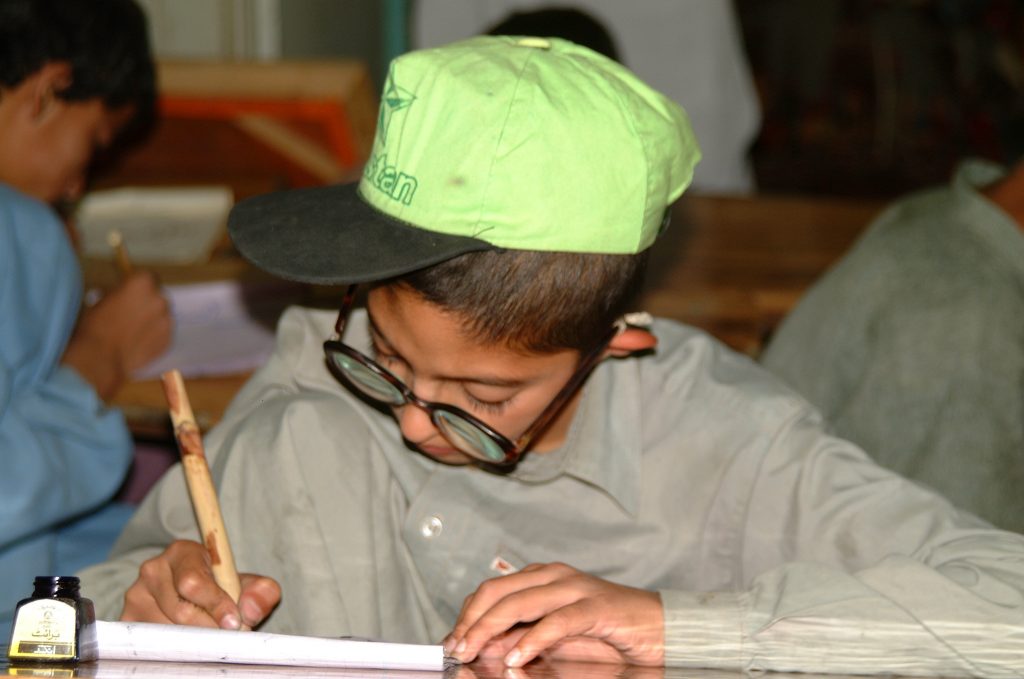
{"points": [[116, 241], [200, 485]]}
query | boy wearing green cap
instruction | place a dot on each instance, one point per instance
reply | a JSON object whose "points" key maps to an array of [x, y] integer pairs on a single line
{"points": [[563, 477]]}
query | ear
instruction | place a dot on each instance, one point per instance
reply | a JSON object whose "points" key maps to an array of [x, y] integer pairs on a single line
{"points": [[630, 341], [53, 77]]}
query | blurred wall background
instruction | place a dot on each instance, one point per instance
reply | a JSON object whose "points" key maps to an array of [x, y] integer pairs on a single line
{"points": [[858, 97], [270, 29]]}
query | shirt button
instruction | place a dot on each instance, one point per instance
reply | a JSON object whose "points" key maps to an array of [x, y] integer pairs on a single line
{"points": [[431, 527]]}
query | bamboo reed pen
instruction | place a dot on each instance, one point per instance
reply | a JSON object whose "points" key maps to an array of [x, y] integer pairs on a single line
{"points": [[116, 241], [200, 484]]}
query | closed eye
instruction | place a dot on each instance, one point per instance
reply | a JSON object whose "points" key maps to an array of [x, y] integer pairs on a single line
{"points": [[490, 407], [395, 364]]}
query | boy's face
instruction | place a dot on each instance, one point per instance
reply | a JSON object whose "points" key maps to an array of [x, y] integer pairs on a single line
{"points": [[424, 346], [57, 149], [47, 143]]}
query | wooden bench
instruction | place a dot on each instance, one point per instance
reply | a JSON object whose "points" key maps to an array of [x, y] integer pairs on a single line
{"points": [[254, 126]]}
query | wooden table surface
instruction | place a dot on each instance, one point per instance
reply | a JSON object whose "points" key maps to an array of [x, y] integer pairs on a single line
{"points": [[734, 266], [143, 401], [542, 669]]}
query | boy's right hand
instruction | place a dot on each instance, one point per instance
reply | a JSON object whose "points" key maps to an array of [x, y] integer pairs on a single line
{"points": [[177, 587], [129, 327]]}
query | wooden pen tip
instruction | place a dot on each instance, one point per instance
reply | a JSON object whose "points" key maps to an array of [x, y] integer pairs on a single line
{"points": [[114, 238]]}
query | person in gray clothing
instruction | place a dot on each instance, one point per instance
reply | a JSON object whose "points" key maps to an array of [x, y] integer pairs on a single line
{"points": [[517, 465], [913, 344]]}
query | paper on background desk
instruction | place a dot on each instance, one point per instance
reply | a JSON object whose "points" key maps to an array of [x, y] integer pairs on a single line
{"points": [[178, 643], [160, 225], [221, 327]]}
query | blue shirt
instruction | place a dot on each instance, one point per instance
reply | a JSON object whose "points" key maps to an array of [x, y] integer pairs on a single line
{"points": [[63, 453]]}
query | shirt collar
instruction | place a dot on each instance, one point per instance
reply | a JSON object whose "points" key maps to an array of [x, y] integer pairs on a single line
{"points": [[976, 173], [603, 445], [984, 217]]}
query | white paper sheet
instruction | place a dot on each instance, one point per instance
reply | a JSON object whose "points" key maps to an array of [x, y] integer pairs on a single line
{"points": [[178, 643], [121, 669], [220, 328]]}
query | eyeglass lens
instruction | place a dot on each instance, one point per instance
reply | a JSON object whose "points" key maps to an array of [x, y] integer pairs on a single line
{"points": [[468, 437], [366, 380], [463, 434]]}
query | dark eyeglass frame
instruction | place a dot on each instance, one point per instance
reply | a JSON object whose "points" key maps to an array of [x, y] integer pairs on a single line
{"points": [[513, 450]]}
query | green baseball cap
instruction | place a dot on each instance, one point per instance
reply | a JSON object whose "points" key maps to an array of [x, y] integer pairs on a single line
{"points": [[493, 142]]}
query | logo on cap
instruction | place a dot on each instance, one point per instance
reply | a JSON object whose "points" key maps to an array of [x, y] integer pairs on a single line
{"points": [[395, 99], [386, 178]]}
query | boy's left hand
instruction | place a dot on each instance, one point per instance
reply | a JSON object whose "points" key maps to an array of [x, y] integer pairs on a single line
{"points": [[558, 609]]}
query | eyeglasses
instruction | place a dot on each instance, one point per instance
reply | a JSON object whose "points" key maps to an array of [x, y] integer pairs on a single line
{"points": [[464, 431]]}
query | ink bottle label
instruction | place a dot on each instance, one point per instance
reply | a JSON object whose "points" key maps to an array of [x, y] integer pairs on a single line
{"points": [[44, 628], [54, 625]]}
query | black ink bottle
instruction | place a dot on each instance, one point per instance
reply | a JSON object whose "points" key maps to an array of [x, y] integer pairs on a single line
{"points": [[55, 625]]}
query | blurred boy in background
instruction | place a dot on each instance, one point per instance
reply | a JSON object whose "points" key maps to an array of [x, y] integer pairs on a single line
{"points": [[912, 345], [73, 75]]}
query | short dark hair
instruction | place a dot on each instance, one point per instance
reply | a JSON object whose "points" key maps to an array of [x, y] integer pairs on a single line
{"points": [[106, 42], [570, 23], [536, 302]]}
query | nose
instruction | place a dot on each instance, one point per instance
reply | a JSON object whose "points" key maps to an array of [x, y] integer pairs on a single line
{"points": [[415, 423]]}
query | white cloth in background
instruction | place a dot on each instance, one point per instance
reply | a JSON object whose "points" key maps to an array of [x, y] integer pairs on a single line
{"points": [[691, 50]]}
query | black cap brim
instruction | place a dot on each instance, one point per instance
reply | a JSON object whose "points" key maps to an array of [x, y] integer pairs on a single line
{"points": [[329, 235]]}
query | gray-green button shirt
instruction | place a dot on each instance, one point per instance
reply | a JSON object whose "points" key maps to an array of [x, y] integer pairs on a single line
{"points": [[689, 471], [913, 345]]}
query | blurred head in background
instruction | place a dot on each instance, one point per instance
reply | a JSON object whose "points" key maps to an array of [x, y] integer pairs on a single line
{"points": [[74, 75]]}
